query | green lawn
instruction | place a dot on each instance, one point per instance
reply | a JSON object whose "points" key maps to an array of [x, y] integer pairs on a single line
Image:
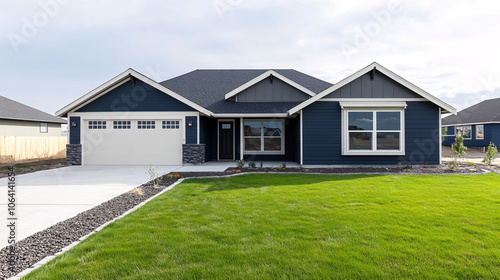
{"points": [[301, 226]]}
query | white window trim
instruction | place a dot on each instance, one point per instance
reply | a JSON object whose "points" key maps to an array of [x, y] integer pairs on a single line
{"points": [[477, 138], [470, 128], [345, 133], [282, 152]]}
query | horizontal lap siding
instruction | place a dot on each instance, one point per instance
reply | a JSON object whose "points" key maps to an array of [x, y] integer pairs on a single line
{"points": [[74, 131], [322, 136], [191, 131], [495, 133]]}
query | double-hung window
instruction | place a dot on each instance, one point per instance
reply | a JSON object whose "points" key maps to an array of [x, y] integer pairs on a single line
{"points": [[373, 131], [263, 136]]}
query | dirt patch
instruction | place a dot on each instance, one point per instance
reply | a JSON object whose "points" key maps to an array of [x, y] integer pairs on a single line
{"points": [[33, 166], [472, 152]]}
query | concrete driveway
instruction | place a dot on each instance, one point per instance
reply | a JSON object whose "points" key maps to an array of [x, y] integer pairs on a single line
{"points": [[47, 197]]}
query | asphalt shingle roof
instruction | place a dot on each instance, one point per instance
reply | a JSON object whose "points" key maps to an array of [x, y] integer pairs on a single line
{"points": [[208, 87], [13, 110], [485, 111]]}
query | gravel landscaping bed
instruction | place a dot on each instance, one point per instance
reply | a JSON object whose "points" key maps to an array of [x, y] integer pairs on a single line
{"points": [[45, 243]]}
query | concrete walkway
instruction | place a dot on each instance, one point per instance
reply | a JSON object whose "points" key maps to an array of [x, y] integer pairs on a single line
{"points": [[45, 198]]}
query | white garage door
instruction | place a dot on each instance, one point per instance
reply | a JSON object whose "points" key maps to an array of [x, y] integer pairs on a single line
{"points": [[132, 142]]}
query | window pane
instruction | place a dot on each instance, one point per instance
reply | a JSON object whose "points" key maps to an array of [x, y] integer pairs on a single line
{"points": [[252, 128], [388, 121], [252, 144], [479, 131], [360, 140], [272, 128], [360, 120], [272, 144], [387, 140]]}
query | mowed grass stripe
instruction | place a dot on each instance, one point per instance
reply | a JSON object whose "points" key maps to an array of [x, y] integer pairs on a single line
{"points": [[301, 226]]}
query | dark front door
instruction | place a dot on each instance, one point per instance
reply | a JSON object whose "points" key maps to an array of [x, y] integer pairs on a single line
{"points": [[226, 140]]}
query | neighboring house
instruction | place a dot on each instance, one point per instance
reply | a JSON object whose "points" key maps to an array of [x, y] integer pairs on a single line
{"points": [[17, 119], [479, 124], [373, 117]]}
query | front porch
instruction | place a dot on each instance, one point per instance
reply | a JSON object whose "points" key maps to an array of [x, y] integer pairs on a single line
{"points": [[251, 139]]}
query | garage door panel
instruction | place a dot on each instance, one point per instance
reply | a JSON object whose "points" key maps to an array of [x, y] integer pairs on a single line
{"points": [[133, 146]]}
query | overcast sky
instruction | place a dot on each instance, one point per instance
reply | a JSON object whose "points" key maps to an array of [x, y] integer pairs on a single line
{"points": [[52, 52]]}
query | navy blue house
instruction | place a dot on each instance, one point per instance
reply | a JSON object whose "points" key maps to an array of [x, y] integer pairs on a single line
{"points": [[372, 117], [479, 124]]}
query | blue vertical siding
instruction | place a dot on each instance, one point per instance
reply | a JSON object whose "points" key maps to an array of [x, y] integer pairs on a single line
{"points": [[138, 97], [191, 131], [322, 136], [74, 131]]}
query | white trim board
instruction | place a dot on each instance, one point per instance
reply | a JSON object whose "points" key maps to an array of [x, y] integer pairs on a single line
{"points": [[383, 70], [263, 76], [462, 124], [121, 78]]}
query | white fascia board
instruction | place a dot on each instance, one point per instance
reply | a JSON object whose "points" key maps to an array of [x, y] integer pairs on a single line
{"points": [[271, 115], [120, 79], [385, 71], [264, 76], [462, 124]]}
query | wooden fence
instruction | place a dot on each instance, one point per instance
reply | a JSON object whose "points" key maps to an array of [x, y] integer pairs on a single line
{"points": [[26, 148]]}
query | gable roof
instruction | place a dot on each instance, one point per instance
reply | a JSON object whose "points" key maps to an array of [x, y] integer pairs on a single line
{"points": [[210, 88], [447, 108], [487, 111], [120, 79], [13, 110]]}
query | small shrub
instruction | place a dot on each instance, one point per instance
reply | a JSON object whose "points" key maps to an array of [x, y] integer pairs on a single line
{"points": [[470, 163], [240, 163], [458, 149], [154, 176], [137, 191], [261, 164], [236, 171], [400, 166], [491, 152], [425, 165], [251, 164], [452, 164], [283, 165]]}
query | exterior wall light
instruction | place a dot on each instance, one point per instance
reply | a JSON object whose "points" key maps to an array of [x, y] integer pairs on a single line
{"points": [[190, 124]]}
